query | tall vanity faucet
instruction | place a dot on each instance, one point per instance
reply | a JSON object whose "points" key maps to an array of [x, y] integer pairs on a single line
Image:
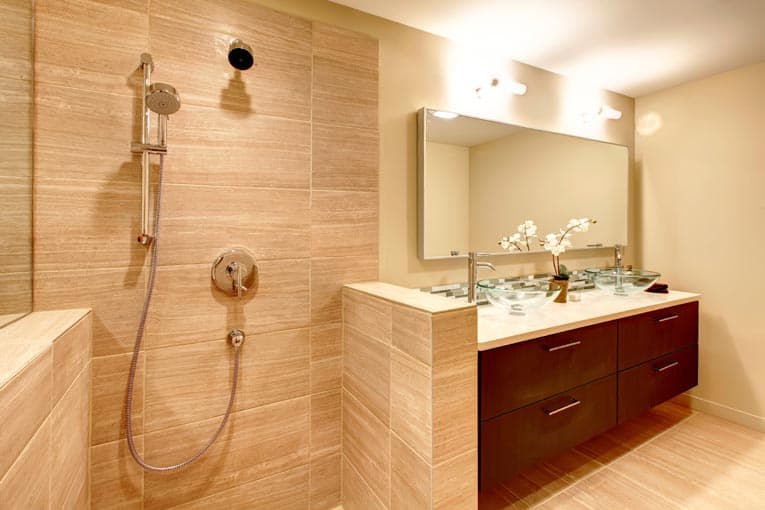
{"points": [[473, 265], [618, 255]]}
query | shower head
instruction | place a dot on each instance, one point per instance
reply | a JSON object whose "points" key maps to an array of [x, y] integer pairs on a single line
{"points": [[163, 99], [240, 55]]}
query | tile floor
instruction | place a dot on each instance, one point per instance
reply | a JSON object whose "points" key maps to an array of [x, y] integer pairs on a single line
{"points": [[670, 458]]}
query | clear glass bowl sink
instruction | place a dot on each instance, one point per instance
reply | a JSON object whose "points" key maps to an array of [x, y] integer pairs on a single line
{"points": [[623, 282], [520, 297]]}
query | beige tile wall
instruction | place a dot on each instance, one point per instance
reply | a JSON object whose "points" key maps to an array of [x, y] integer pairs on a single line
{"points": [[409, 406], [45, 412], [282, 159], [16, 52]]}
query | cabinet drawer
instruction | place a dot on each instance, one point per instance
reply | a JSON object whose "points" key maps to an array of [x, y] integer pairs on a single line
{"points": [[524, 437], [653, 334], [650, 384], [520, 374]]}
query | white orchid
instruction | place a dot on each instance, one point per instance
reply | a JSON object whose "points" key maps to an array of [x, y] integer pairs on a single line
{"points": [[558, 243], [521, 238]]}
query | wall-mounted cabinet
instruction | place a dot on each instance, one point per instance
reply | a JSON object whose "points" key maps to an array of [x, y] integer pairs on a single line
{"points": [[543, 396]]}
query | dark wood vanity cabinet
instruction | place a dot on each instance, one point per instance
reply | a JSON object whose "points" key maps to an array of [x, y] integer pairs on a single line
{"points": [[543, 396]]}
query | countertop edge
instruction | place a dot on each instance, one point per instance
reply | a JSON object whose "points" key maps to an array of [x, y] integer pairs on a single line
{"points": [[487, 345], [413, 298]]}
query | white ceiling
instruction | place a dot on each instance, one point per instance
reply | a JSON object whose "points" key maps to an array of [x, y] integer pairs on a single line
{"points": [[630, 46]]}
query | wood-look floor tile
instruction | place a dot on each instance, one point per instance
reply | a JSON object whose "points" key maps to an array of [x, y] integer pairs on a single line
{"points": [[199, 220], [326, 483], [367, 314], [70, 436], [27, 482], [109, 388], [410, 478], [25, 402], [366, 444], [328, 275], [195, 34], [607, 490], [114, 295], [187, 308], [71, 354], [412, 333], [69, 123], [411, 403], [455, 483], [345, 158], [326, 424], [366, 371], [16, 25], [256, 443], [344, 223], [86, 225], [284, 491], [697, 469], [344, 94], [90, 45], [190, 383], [209, 146], [357, 495], [116, 481]]}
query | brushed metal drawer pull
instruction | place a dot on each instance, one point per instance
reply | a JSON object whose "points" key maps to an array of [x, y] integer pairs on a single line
{"points": [[666, 367], [564, 346], [670, 318], [552, 412]]}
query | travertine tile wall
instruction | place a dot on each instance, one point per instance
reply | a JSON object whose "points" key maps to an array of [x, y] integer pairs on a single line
{"points": [[15, 158], [44, 411], [282, 159], [409, 406]]}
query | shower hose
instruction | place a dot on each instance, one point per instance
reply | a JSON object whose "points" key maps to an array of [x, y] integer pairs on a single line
{"points": [[137, 350]]}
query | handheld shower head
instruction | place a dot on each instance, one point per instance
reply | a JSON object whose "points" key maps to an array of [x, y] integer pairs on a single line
{"points": [[162, 98]]}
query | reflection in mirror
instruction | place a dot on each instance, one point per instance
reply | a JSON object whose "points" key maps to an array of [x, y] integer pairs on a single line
{"points": [[479, 179], [15, 159]]}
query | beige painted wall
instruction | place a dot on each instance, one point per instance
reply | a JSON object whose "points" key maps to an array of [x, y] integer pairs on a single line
{"points": [[447, 198], [699, 157], [418, 69], [547, 178]]}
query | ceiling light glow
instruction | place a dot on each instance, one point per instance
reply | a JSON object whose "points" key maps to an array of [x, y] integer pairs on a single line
{"points": [[445, 115], [609, 113], [496, 87]]}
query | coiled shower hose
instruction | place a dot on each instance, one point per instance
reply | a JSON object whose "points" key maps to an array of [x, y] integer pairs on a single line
{"points": [[137, 350]]}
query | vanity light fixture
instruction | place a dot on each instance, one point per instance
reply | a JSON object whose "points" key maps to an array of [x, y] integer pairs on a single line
{"points": [[445, 115], [514, 87], [609, 113]]}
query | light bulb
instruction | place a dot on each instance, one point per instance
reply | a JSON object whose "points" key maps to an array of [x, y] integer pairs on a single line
{"points": [[445, 115]]}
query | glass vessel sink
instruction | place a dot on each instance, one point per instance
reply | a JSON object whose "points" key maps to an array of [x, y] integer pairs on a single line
{"points": [[519, 297], [623, 282]]}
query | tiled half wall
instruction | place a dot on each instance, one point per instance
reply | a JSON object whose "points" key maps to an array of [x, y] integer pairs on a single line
{"points": [[409, 406], [281, 159]]}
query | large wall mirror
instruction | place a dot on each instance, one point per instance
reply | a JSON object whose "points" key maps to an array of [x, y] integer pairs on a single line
{"points": [[479, 179], [16, 102]]}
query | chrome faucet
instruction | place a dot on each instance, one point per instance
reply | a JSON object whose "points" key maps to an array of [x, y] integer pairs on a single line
{"points": [[473, 265], [618, 255]]}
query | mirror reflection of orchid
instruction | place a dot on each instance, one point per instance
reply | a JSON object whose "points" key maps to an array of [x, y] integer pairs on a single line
{"points": [[554, 243], [521, 240]]}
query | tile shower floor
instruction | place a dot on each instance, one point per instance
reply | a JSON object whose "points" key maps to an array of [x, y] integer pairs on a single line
{"points": [[670, 458]]}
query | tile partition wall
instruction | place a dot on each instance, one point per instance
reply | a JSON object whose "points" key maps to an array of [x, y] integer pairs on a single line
{"points": [[16, 160], [409, 403], [282, 159], [44, 411]]}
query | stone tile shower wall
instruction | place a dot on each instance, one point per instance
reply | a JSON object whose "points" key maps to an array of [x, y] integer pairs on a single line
{"points": [[282, 159]]}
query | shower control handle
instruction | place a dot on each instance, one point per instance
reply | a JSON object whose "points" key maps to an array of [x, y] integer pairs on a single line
{"points": [[234, 272]]}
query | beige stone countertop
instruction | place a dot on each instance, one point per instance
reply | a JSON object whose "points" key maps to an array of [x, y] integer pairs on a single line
{"points": [[22, 341], [414, 298], [496, 327]]}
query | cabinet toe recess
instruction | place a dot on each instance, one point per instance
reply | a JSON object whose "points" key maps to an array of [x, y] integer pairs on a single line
{"points": [[543, 396]]}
